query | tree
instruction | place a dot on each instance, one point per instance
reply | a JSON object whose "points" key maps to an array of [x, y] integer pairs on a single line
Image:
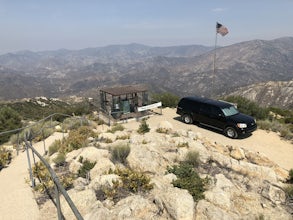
{"points": [[167, 99], [9, 120]]}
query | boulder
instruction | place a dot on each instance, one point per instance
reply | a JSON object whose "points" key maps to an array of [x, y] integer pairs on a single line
{"points": [[73, 155], [208, 211], [93, 154], [108, 137], [134, 207], [220, 193], [178, 203], [165, 126], [259, 159], [80, 183], [147, 158], [103, 181], [74, 166], [237, 153], [102, 166]]}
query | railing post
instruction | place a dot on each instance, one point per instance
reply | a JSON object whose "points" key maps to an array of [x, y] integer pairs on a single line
{"points": [[17, 148], [29, 165], [59, 212], [44, 144]]}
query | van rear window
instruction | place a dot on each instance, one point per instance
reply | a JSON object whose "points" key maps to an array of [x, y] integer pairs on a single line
{"points": [[228, 111]]}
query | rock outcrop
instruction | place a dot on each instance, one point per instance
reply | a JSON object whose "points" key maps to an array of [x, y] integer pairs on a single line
{"points": [[242, 184]]}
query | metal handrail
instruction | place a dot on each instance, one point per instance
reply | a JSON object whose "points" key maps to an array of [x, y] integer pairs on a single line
{"points": [[57, 185]]}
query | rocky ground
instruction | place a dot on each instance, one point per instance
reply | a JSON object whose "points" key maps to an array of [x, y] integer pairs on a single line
{"points": [[243, 183]]}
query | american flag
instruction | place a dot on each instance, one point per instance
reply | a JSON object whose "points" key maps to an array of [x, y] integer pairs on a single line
{"points": [[221, 29]]}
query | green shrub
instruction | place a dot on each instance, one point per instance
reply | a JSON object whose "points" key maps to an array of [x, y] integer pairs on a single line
{"points": [[183, 144], [289, 191], [143, 127], [59, 160], [290, 178], [9, 120], [188, 179], [167, 99], [192, 158], [163, 130], [85, 168], [130, 182], [54, 147], [5, 157], [116, 127], [74, 123], [120, 153], [76, 139], [46, 183], [249, 107]]}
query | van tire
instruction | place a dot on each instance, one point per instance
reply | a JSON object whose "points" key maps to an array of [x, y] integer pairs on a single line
{"points": [[187, 119], [231, 132]]}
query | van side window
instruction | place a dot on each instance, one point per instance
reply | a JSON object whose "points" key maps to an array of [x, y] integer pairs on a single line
{"points": [[216, 111], [206, 109]]}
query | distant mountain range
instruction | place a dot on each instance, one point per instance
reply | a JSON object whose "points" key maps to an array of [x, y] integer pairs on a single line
{"points": [[183, 70]]}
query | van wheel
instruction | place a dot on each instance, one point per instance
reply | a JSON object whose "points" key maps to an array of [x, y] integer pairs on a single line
{"points": [[230, 132], [187, 119]]}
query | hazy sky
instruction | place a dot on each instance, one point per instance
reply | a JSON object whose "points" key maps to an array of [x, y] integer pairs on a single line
{"points": [[74, 24]]}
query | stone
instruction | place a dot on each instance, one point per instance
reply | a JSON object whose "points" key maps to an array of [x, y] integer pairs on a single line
{"points": [[107, 137], [74, 166], [275, 194], [220, 193], [259, 159], [102, 166], [237, 153], [103, 181], [73, 155], [135, 207], [208, 211], [165, 126], [178, 203], [80, 183], [147, 158], [93, 154]]}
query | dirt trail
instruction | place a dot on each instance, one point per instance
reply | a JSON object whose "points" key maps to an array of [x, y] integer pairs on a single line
{"points": [[267, 143], [17, 198]]}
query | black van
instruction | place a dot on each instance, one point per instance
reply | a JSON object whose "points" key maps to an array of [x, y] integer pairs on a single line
{"points": [[215, 114]]}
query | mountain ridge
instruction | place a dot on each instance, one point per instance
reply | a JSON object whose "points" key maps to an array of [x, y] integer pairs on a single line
{"points": [[183, 70]]}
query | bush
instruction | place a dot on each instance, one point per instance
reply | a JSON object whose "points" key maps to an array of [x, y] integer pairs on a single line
{"points": [[289, 191], [54, 147], [290, 178], [249, 107], [188, 179], [60, 160], [85, 168], [183, 144], [46, 183], [5, 157], [76, 139], [143, 127], [120, 153], [9, 120], [192, 158], [74, 123], [130, 182], [167, 99], [116, 127]]}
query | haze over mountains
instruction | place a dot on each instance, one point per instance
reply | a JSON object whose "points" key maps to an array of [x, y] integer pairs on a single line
{"points": [[183, 70]]}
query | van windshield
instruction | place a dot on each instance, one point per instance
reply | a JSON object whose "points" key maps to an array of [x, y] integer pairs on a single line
{"points": [[231, 110]]}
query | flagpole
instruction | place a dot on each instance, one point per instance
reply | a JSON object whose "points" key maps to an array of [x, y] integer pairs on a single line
{"points": [[214, 61]]}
